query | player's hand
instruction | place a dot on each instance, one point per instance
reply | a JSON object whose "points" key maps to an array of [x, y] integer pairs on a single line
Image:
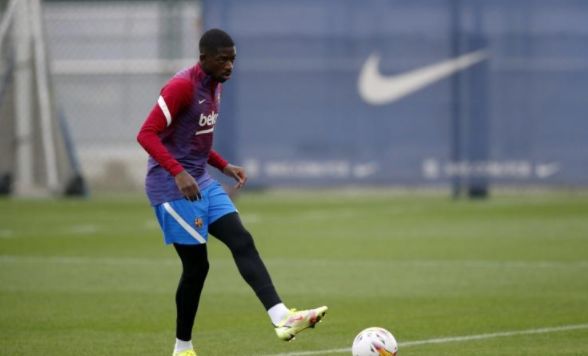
{"points": [[237, 173], [188, 186]]}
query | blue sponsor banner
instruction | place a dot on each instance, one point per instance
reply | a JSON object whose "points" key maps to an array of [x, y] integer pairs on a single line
{"points": [[406, 92]]}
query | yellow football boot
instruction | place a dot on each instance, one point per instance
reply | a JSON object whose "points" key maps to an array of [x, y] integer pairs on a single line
{"points": [[296, 321]]}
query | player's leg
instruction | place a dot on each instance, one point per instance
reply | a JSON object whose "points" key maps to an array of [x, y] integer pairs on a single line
{"points": [[184, 225], [227, 227], [288, 323], [231, 232], [194, 270]]}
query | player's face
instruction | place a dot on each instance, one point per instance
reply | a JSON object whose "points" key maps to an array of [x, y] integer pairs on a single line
{"points": [[220, 64]]}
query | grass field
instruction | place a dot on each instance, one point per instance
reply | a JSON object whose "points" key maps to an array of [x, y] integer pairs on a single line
{"points": [[92, 277]]}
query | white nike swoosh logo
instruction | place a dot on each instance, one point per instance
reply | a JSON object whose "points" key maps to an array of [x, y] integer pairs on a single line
{"points": [[377, 89], [201, 101]]}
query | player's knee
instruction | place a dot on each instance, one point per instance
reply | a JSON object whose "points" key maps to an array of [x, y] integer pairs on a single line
{"points": [[196, 271], [204, 266], [243, 243]]}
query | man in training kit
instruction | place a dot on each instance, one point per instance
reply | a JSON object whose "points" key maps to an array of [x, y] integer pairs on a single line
{"points": [[189, 203]]}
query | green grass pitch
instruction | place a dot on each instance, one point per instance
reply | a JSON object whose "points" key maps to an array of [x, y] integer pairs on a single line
{"points": [[92, 277]]}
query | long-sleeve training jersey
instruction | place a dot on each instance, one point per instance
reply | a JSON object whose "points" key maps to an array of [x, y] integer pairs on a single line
{"points": [[178, 134]]}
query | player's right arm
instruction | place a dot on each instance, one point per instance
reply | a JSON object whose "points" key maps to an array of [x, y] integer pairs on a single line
{"points": [[175, 97]]}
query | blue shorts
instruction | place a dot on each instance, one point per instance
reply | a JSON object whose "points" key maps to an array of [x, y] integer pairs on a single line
{"points": [[186, 222]]}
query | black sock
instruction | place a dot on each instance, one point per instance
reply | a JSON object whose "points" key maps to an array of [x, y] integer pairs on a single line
{"points": [[194, 269], [231, 232]]}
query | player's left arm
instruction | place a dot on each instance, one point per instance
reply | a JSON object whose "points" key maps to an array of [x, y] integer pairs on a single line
{"points": [[236, 172]]}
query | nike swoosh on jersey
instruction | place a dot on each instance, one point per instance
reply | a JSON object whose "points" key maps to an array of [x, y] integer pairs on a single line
{"points": [[201, 101], [377, 89]]}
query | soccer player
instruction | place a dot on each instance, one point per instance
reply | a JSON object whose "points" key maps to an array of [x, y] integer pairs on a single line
{"points": [[189, 203]]}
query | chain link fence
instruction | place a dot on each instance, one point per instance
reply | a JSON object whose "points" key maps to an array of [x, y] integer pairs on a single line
{"points": [[109, 60]]}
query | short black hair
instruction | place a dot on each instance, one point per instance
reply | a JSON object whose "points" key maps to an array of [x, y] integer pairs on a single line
{"points": [[214, 39]]}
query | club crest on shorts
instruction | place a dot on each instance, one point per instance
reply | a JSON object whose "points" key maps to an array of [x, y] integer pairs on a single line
{"points": [[198, 223]]}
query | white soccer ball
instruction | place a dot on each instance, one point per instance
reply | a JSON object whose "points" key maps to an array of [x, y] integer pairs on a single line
{"points": [[374, 342]]}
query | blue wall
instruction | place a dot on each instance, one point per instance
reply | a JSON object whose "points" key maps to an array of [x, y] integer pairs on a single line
{"points": [[294, 114]]}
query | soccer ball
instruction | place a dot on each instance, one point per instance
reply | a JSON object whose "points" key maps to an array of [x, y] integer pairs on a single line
{"points": [[374, 342]]}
